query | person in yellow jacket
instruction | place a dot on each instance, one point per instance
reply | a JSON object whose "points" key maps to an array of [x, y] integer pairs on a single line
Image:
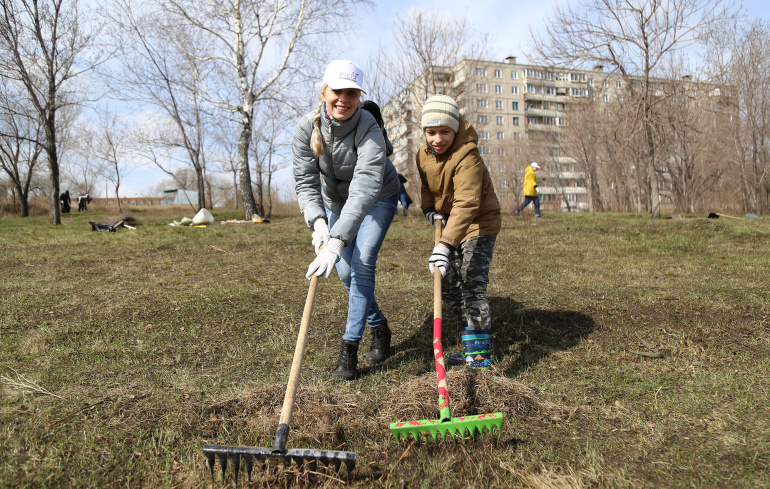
{"points": [[530, 190], [457, 189]]}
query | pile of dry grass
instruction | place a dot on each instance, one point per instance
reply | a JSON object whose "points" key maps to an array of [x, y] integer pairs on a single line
{"points": [[329, 416]]}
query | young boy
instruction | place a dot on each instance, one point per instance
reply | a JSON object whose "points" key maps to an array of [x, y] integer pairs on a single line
{"points": [[457, 189]]}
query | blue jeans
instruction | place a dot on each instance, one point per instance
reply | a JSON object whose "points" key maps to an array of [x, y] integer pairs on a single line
{"points": [[402, 198], [527, 200], [357, 264]]}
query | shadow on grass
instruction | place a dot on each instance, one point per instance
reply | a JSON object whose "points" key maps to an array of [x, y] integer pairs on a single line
{"points": [[529, 335]]}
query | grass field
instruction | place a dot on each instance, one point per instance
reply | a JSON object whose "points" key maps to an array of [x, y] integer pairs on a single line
{"points": [[122, 353]]}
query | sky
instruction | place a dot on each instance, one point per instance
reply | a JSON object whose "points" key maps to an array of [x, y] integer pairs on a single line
{"points": [[508, 22]]}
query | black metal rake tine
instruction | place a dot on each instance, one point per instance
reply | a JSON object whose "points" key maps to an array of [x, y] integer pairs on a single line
{"points": [[210, 461], [223, 462], [248, 464], [236, 458]]}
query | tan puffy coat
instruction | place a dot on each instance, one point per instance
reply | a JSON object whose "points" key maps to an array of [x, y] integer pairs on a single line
{"points": [[457, 185]]}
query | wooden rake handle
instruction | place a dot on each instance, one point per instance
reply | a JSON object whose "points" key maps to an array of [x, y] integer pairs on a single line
{"points": [[299, 353]]}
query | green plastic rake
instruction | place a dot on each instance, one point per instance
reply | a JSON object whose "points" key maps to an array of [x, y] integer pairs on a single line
{"points": [[446, 424]]}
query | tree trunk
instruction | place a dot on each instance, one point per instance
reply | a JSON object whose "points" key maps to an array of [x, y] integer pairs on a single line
{"points": [[244, 174], [54, 212], [201, 187]]}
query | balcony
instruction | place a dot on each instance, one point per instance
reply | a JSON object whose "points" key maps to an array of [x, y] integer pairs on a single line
{"points": [[543, 127], [540, 112], [540, 96]]}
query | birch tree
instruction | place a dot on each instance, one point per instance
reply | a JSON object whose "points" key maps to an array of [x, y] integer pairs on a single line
{"points": [[252, 46]]}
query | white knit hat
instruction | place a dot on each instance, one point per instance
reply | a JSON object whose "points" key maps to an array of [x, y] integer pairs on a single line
{"points": [[440, 110]]}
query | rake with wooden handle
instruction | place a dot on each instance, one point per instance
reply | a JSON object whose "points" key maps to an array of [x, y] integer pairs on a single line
{"points": [[302, 456]]}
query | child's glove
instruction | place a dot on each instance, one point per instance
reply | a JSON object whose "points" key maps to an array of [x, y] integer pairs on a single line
{"points": [[439, 258], [326, 259], [321, 234], [432, 216]]}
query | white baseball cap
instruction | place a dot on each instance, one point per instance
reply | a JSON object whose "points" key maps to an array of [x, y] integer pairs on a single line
{"points": [[534, 165], [342, 73]]}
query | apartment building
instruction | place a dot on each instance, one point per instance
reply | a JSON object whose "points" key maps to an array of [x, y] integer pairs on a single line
{"points": [[520, 112]]}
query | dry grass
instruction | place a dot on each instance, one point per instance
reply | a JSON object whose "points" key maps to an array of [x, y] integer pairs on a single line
{"points": [[122, 353]]}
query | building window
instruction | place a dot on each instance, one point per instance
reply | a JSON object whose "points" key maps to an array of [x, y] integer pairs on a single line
{"points": [[482, 119], [533, 121], [618, 84], [579, 92], [483, 150], [499, 120], [515, 105], [498, 89], [605, 98], [498, 74], [501, 152], [517, 136], [605, 83], [499, 105], [484, 135], [481, 72], [515, 90], [577, 77], [515, 121], [517, 151], [482, 104], [514, 75], [500, 135], [481, 87]]}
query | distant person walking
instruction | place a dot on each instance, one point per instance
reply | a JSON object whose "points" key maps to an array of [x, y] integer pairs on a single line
{"points": [[530, 190], [66, 201], [83, 202]]}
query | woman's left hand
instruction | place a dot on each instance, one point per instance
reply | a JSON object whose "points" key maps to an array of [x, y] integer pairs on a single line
{"points": [[326, 259]]}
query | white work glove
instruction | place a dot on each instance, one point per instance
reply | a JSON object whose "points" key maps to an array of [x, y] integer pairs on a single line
{"points": [[432, 216], [321, 234], [439, 258], [326, 259]]}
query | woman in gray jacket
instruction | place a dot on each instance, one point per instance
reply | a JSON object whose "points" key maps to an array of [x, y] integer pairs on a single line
{"points": [[347, 191]]}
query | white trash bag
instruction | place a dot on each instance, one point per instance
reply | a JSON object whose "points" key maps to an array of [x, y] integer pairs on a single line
{"points": [[203, 217]]}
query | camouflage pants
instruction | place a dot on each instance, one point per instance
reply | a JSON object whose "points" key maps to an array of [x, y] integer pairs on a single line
{"points": [[464, 287]]}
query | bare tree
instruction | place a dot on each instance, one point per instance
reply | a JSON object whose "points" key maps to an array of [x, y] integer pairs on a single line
{"points": [[111, 147], [633, 38], [739, 61], [44, 45], [272, 152], [160, 69], [424, 60], [81, 165], [20, 147], [253, 45]]}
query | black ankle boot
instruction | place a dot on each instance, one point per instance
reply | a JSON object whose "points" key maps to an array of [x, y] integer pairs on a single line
{"points": [[380, 349], [348, 360]]}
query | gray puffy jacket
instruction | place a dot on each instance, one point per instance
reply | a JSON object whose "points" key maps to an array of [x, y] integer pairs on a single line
{"points": [[350, 176]]}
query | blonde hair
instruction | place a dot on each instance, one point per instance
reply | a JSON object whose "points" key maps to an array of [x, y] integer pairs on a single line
{"points": [[316, 139]]}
